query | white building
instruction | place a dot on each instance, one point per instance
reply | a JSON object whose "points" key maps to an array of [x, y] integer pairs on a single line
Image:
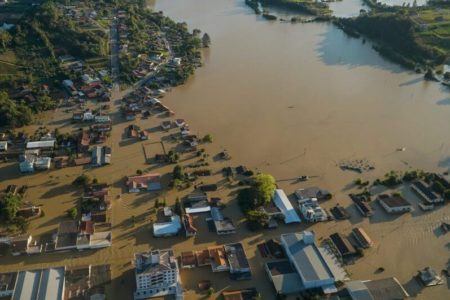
{"points": [[312, 211], [394, 204], [307, 260], [3, 146], [284, 205], [170, 228], [157, 275], [42, 163], [102, 119]]}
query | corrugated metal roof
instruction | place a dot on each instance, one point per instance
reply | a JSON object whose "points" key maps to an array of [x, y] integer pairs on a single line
{"points": [[40, 144], [282, 202], [307, 258]]}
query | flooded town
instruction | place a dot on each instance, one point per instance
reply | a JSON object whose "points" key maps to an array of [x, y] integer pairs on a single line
{"points": [[198, 149]]}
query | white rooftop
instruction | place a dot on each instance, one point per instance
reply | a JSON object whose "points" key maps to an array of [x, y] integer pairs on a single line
{"points": [[282, 202]]}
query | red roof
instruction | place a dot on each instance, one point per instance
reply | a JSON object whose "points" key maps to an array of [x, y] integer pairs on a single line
{"points": [[87, 227], [189, 223], [142, 181]]}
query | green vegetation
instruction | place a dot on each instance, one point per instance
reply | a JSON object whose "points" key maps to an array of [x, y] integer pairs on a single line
{"points": [[252, 198], [146, 36], [9, 206], [72, 213], [82, 180], [206, 40], [264, 186], [29, 56], [12, 113], [407, 35], [390, 179], [311, 7], [208, 138]]}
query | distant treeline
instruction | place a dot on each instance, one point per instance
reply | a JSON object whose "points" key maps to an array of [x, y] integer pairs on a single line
{"points": [[397, 38]]}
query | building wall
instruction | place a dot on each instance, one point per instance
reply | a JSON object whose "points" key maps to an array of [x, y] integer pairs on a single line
{"points": [[308, 284], [398, 209]]}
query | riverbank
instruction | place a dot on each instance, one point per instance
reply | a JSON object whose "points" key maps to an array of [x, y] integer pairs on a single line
{"points": [[414, 37]]}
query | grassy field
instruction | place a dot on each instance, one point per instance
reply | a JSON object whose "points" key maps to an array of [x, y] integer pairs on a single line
{"points": [[434, 28]]}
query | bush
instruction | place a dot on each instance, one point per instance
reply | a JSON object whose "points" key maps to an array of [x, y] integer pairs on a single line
{"points": [[9, 205], [257, 219], [208, 138], [72, 213], [247, 199], [82, 180], [139, 172], [178, 173], [438, 187]]}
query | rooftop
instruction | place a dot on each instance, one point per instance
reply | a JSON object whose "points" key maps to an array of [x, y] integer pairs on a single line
{"points": [[40, 284], [426, 191], [342, 244], [155, 261], [306, 256], [282, 202], [393, 201], [236, 256], [386, 289], [188, 258], [312, 192], [284, 277]]}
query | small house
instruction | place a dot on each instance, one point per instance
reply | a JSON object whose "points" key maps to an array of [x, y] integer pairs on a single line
{"points": [[147, 182], [3, 146]]}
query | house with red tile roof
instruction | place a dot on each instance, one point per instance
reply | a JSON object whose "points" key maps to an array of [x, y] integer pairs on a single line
{"points": [[146, 182]]}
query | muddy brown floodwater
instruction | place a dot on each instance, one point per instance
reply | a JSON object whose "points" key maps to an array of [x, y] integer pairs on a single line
{"points": [[285, 99], [296, 99]]}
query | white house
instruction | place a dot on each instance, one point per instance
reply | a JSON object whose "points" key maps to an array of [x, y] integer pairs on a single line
{"points": [[312, 211], [102, 119], [157, 275], [3, 146], [42, 163], [170, 228], [88, 116]]}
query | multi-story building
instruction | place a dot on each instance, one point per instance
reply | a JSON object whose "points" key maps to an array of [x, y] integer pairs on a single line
{"points": [[157, 275]]}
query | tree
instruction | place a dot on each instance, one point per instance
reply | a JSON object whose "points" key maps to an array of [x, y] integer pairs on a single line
{"points": [[447, 194], [5, 39], [178, 173], [13, 114], [258, 218], [72, 213], [247, 199], [206, 40], [265, 186], [177, 183], [95, 181], [82, 180], [9, 205], [22, 224], [208, 138], [139, 172], [178, 209], [438, 187], [429, 75], [447, 75]]}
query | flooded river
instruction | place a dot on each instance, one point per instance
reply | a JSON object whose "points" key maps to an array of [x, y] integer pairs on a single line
{"points": [[295, 99]]}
